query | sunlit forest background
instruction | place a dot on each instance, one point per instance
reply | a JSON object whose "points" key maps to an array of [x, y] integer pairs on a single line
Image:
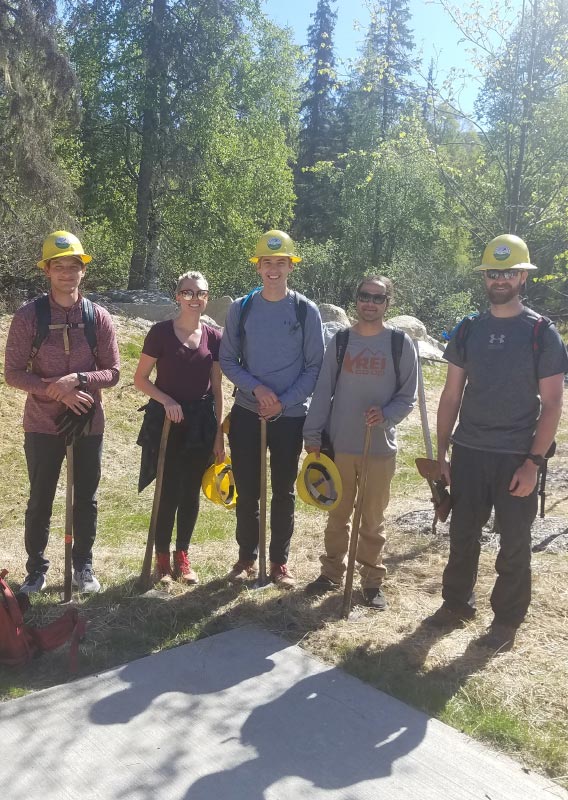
{"points": [[169, 133]]}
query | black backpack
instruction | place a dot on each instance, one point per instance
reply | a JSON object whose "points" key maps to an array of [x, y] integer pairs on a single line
{"points": [[463, 328], [43, 324]]}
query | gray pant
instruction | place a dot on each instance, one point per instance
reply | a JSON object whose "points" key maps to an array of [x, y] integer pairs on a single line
{"points": [[480, 482]]}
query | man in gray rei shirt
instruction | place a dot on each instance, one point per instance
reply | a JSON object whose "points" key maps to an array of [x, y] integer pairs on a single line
{"points": [[505, 378], [367, 391], [272, 352]]}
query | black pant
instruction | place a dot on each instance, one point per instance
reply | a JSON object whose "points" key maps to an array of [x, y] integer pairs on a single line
{"points": [[44, 455], [284, 439], [480, 481], [181, 486]]}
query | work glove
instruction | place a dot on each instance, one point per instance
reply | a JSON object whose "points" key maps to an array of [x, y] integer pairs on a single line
{"points": [[73, 426]]}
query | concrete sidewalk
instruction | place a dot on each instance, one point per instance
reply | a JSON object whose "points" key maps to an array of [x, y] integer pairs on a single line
{"points": [[241, 716]]}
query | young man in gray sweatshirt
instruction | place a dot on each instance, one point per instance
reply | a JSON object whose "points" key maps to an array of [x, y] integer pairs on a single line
{"points": [[370, 390], [272, 349]]}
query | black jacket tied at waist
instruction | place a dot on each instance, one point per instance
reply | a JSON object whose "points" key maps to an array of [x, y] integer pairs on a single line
{"points": [[198, 429]]}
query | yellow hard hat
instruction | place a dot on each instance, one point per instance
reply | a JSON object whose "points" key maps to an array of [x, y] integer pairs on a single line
{"points": [[59, 244], [506, 252], [275, 243], [218, 484], [319, 482]]}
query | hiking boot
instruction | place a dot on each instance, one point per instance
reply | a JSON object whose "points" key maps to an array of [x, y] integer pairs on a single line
{"points": [[280, 576], [322, 585], [243, 571], [375, 598], [34, 582], [163, 570], [447, 619], [85, 581], [499, 638], [182, 568]]}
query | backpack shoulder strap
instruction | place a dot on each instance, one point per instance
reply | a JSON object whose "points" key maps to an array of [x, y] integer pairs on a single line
{"points": [[397, 343], [341, 342], [43, 320], [461, 332], [301, 304], [89, 322], [244, 311]]}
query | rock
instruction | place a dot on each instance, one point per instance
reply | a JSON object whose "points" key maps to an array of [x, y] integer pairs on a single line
{"points": [[331, 313], [146, 304], [211, 322], [217, 309], [413, 327], [330, 329]]}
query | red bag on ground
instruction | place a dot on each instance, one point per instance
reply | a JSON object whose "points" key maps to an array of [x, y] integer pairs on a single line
{"points": [[20, 643]]}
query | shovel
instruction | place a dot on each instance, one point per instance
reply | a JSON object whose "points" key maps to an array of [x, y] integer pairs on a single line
{"points": [[262, 578], [69, 496], [144, 580], [427, 467], [347, 592]]}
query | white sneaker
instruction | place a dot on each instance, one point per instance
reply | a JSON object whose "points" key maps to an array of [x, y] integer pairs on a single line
{"points": [[85, 580], [34, 583]]}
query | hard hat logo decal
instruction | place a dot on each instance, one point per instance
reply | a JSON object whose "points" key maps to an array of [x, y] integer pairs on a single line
{"points": [[502, 252], [62, 242], [274, 243]]}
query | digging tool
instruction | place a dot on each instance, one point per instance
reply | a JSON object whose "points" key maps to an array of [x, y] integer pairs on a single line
{"points": [[347, 592], [262, 577], [147, 564], [69, 496], [427, 467], [543, 473]]}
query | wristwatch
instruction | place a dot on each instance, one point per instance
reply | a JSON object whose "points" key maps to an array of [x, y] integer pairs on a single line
{"points": [[82, 378], [536, 459]]}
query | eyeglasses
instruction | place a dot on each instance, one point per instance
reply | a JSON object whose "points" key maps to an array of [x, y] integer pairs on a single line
{"points": [[189, 294], [501, 274], [368, 297]]}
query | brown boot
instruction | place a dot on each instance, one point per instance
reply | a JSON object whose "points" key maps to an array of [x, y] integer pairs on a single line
{"points": [[182, 568], [280, 575], [163, 568], [243, 571]]}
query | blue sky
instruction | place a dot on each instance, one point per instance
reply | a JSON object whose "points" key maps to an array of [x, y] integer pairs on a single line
{"points": [[434, 33]]}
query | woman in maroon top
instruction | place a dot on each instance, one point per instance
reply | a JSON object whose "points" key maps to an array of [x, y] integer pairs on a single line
{"points": [[185, 352]]}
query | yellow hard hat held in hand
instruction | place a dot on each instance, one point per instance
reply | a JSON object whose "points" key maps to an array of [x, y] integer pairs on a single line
{"points": [[319, 482], [218, 484]]}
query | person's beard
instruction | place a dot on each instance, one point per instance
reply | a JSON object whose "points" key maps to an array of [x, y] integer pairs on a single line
{"points": [[503, 295]]}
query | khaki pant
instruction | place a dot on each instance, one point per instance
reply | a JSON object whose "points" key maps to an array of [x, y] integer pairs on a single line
{"points": [[371, 531]]}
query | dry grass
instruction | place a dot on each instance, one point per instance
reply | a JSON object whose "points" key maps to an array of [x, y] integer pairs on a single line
{"points": [[516, 701]]}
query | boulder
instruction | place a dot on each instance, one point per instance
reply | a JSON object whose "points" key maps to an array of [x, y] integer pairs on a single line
{"points": [[145, 304], [428, 347], [330, 329], [217, 309], [331, 313]]}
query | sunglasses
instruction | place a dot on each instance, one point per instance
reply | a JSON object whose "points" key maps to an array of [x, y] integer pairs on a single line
{"points": [[501, 274], [367, 297], [189, 294]]}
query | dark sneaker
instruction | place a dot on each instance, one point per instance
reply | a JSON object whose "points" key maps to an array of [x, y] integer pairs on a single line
{"points": [[85, 580], [321, 585], [499, 638], [183, 571], [447, 619], [35, 582], [375, 598], [243, 571], [281, 576]]}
